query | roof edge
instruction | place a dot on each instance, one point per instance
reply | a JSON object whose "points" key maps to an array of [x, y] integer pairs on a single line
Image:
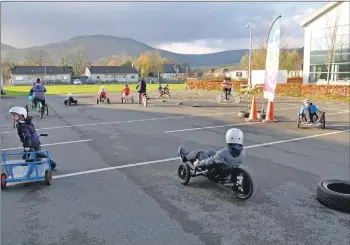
{"points": [[325, 8]]}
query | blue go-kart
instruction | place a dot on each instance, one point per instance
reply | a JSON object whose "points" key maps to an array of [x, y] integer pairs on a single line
{"points": [[33, 166]]}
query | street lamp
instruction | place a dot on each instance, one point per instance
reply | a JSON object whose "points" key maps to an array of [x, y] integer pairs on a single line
{"points": [[250, 63]]}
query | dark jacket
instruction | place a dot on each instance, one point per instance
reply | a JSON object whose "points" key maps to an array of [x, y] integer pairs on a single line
{"points": [[38, 91], [141, 86], [27, 133], [231, 156]]}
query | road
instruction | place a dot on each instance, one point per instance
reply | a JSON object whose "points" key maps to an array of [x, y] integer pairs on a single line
{"points": [[117, 184]]}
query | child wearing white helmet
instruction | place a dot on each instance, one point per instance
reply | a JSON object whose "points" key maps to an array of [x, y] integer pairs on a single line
{"points": [[102, 93], [231, 156], [26, 130]]}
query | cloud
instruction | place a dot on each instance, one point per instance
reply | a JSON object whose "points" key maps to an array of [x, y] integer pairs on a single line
{"points": [[177, 26]]}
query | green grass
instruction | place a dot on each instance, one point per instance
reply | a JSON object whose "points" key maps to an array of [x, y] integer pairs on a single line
{"points": [[81, 89]]}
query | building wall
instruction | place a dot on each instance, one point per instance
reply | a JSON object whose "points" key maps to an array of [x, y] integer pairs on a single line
{"points": [[317, 44], [123, 78], [24, 79], [171, 75], [235, 75]]}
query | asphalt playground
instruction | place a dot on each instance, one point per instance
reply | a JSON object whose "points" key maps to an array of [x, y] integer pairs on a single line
{"points": [[116, 182]]}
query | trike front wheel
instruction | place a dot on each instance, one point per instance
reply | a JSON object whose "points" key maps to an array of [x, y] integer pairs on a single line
{"points": [[184, 173], [242, 183], [48, 177]]}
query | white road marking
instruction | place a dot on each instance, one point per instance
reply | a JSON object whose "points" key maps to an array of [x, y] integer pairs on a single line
{"points": [[221, 126], [177, 158], [136, 120], [238, 124], [51, 144]]}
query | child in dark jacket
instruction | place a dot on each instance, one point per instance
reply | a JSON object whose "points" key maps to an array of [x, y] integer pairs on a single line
{"points": [[26, 131]]}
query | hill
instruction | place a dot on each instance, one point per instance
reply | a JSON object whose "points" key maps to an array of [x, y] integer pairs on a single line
{"points": [[102, 46], [6, 48]]}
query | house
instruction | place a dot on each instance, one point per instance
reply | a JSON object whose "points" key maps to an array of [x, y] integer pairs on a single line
{"points": [[319, 28], [22, 75], [112, 74], [170, 71]]}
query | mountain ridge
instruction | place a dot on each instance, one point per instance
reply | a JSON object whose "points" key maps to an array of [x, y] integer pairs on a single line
{"points": [[103, 46]]}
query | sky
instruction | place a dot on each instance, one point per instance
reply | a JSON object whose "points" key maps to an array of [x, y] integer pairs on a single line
{"points": [[180, 27]]}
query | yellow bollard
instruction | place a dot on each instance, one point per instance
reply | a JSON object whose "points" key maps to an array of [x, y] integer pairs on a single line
{"points": [[179, 103]]}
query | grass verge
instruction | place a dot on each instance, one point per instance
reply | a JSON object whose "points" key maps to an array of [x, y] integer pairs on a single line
{"points": [[81, 89]]}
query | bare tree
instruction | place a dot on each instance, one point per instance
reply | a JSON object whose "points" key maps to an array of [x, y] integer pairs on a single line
{"points": [[37, 58], [79, 61], [332, 44]]}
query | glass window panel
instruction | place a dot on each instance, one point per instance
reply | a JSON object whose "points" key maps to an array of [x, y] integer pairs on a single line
{"points": [[318, 59], [343, 67]]}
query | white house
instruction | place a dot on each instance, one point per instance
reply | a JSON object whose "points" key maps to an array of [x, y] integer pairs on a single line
{"points": [[237, 74], [319, 29], [121, 74], [22, 75], [170, 71]]}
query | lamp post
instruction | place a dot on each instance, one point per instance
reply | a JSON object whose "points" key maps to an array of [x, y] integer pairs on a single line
{"points": [[250, 63]]}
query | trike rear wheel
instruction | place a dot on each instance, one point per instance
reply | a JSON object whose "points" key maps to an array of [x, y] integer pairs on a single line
{"points": [[184, 173], [48, 177], [242, 183], [3, 183]]}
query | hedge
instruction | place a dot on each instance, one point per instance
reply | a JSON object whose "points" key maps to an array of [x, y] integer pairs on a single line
{"points": [[288, 89]]}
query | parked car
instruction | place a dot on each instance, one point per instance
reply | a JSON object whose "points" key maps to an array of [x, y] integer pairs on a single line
{"points": [[77, 82]]}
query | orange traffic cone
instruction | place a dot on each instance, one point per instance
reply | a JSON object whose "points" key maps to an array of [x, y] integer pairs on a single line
{"points": [[253, 115], [269, 113]]}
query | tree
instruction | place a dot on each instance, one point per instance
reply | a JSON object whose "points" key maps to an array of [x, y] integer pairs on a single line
{"points": [[79, 61], [331, 44], [126, 63], [6, 70], [150, 62], [37, 58]]}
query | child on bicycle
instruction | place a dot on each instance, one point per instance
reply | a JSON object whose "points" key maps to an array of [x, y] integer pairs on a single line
{"points": [[38, 93], [26, 131], [126, 91], [226, 87], [231, 156]]}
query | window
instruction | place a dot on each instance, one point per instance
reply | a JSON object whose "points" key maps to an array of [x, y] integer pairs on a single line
{"points": [[132, 77]]}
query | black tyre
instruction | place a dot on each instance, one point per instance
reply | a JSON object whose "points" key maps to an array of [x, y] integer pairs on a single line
{"points": [[122, 100], [42, 112], [47, 109], [3, 183], [261, 116], [242, 114], [76, 102], [323, 122], [243, 183], [334, 194], [298, 121], [184, 173], [108, 101], [97, 101], [48, 177]]}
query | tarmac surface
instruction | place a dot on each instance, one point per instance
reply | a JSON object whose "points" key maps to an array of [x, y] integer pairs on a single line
{"points": [[116, 183]]}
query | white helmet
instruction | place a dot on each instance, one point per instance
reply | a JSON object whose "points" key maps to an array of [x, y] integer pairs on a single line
{"points": [[19, 110], [234, 136], [307, 101]]}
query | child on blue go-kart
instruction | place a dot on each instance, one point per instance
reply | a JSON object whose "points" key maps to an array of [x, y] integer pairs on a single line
{"points": [[26, 131], [230, 157], [309, 110], [70, 100]]}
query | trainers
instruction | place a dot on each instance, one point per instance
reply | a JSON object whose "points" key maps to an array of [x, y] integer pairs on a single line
{"points": [[182, 154]]}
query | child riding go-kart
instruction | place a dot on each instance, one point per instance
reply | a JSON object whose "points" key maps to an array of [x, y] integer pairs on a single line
{"points": [[221, 166], [126, 95], [70, 100], [309, 115], [102, 96], [164, 91]]}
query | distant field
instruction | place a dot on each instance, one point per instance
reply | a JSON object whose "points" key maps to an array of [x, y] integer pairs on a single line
{"points": [[81, 89]]}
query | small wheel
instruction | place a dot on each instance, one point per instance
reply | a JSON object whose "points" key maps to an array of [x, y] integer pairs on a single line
{"points": [[97, 101], [108, 100], [41, 112], [219, 98], [47, 110], [237, 98], [184, 173], [122, 99], [76, 102], [3, 182], [132, 100], [48, 177], [298, 122], [323, 120], [243, 186]]}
